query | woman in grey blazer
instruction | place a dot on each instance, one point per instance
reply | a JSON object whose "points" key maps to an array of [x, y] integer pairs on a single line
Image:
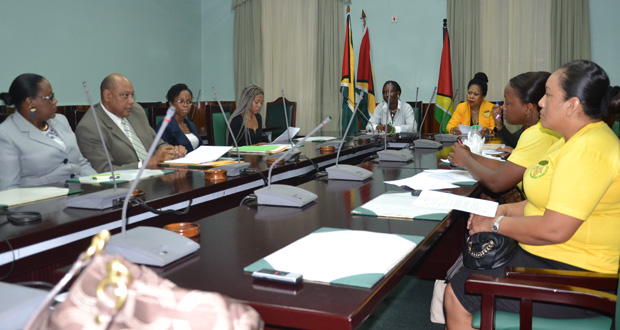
{"points": [[37, 146]]}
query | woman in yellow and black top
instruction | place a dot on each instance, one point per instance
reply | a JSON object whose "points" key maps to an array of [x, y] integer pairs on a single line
{"points": [[570, 219], [476, 110]]}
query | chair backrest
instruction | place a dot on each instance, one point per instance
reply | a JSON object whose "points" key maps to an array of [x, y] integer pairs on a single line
{"points": [[156, 115], [219, 128], [274, 116]]}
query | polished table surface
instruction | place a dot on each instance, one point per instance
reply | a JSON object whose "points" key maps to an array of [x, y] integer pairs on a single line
{"points": [[64, 232], [236, 238]]}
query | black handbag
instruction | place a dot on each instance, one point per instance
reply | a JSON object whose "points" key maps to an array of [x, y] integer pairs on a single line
{"points": [[488, 250]]}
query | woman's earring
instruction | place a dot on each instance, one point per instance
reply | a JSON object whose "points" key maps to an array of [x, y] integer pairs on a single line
{"points": [[33, 111]]}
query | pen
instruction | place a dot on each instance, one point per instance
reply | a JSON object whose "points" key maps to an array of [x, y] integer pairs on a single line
{"points": [[500, 113], [460, 142]]}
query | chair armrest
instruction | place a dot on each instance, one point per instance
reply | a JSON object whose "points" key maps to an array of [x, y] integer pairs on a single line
{"points": [[590, 280], [489, 286]]}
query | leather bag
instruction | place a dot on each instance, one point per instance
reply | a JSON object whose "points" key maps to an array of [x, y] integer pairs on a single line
{"points": [[488, 250], [113, 293]]}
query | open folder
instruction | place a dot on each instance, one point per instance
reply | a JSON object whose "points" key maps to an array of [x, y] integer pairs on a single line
{"points": [[341, 256]]}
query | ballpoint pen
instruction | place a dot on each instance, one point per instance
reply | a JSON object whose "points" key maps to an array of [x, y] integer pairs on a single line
{"points": [[500, 113]]}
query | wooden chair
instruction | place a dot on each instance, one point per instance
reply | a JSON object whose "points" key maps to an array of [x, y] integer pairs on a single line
{"points": [[582, 289], [216, 125], [274, 116]]}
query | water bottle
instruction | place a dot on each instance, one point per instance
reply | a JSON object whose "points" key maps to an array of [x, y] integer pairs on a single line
{"points": [[475, 140]]}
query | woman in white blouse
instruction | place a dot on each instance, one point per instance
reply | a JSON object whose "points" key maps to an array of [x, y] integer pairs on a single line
{"points": [[399, 118]]}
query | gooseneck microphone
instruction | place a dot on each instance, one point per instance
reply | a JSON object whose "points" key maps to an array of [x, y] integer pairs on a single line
{"points": [[343, 171], [288, 133], [196, 104], [285, 195], [149, 245], [421, 143], [235, 168], [102, 199]]}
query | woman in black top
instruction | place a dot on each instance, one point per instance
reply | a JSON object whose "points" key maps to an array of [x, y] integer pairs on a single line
{"points": [[246, 121]]}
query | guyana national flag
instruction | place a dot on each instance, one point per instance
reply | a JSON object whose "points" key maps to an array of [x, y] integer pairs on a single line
{"points": [[443, 104], [346, 84], [365, 81]]}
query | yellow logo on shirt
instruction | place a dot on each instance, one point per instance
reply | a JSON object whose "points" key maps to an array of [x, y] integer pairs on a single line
{"points": [[540, 170], [486, 114]]}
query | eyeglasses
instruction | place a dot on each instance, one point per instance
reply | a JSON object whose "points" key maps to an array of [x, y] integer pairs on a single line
{"points": [[49, 97], [188, 102]]}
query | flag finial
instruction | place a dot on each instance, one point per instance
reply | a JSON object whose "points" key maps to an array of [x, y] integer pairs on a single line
{"points": [[348, 9], [364, 17]]}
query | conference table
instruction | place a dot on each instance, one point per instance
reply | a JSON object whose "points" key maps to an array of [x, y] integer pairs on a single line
{"points": [[234, 236]]}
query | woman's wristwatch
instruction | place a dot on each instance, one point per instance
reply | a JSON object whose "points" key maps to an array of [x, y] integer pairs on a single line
{"points": [[495, 226]]}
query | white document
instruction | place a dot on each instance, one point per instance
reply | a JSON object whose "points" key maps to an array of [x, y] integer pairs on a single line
{"points": [[202, 154], [126, 175], [18, 196], [319, 138], [464, 129], [443, 200], [331, 255], [397, 205], [283, 138], [434, 180]]}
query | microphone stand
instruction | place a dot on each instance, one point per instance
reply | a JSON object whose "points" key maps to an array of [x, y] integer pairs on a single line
{"points": [[149, 245], [285, 195], [295, 152], [102, 199], [425, 143], [235, 168], [348, 172], [191, 116], [402, 155]]}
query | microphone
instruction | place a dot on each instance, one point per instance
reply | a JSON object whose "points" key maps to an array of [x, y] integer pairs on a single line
{"points": [[402, 155], [288, 134], [191, 116], [235, 168], [103, 199], [348, 172], [425, 143], [285, 195], [295, 152], [447, 137], [150, 245]]}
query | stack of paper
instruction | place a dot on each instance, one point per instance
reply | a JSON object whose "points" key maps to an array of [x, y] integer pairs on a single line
{"points": [[400, 205], [18, 196], [264, 149], [436, 179], [121, 175], [341, 256], [200, 155]]}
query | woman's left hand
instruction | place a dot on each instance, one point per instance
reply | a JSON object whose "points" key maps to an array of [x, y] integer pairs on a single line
{"points": [[485, 131], [459, 154]]}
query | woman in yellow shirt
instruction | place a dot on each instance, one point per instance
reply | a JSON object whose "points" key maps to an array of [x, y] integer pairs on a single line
{"points": [[570, 219], [476, 110], [522, 94]]}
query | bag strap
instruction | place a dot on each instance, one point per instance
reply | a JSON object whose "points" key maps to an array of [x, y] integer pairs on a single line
{"points": [[96, 246]]}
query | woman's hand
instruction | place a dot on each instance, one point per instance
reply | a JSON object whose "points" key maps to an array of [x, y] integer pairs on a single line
{"points": [[485, 131], [479, 224], [506, 151], [455, 131], [497, 116], [459, 154]]}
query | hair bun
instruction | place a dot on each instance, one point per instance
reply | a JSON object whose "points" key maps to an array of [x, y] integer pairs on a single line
{"points": [[481, 76], [6, 98]]}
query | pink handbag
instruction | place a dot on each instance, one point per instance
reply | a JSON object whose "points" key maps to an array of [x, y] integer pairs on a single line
{"points": [[113, 293]]}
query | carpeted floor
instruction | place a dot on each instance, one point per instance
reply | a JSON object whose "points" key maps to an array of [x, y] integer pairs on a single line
{"points": [[406, 307]]}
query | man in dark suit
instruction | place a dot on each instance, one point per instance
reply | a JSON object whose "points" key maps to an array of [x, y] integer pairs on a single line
{"points": [[125, 129]]}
